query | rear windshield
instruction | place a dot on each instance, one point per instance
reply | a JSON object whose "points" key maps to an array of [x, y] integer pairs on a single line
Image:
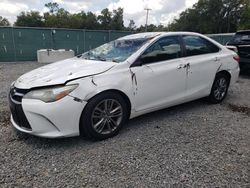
{"points": [[240, 38]]}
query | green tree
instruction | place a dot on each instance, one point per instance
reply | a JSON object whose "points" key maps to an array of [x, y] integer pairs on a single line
{"points": [[60, 18], [50, 20], [150, 28], [211, 16], [29, 19], [245, 19], [117, 19], [53, 7], [4, 21], [105, 19], [63, 18], [75, 21], [91, 21], [131, 25]]}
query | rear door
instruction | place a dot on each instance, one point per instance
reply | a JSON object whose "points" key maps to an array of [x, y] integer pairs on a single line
{"points": [[203, 61]]}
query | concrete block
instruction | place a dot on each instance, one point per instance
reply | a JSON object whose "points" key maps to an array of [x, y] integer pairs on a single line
{"points": [[50, 56]]}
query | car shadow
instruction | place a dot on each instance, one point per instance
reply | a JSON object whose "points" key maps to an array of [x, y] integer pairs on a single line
{"points": [[179, 110], [245, 73]]}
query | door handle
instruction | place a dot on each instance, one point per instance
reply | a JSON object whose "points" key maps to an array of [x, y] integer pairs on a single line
{"points": [[187, 65], [180, 66]]}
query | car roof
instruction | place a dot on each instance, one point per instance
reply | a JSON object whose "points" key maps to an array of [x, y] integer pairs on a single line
{"points": [[141, 35], [154, 34]]}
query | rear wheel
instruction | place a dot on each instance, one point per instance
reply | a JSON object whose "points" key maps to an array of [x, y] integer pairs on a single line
{"points": [[103, 116], [219, 88]]}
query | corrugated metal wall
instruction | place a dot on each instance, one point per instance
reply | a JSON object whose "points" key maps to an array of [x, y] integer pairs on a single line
{"points": [[21, 44], [7, 49]]}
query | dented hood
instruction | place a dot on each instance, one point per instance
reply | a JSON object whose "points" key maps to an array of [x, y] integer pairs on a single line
{"points": [[61, 72]]}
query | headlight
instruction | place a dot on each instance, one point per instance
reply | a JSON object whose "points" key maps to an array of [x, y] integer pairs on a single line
{"points": [[51, 94]]}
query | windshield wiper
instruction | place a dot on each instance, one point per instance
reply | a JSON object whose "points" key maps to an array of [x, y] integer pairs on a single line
{"points": [[79, 56], [101, 58], [115, 61]]}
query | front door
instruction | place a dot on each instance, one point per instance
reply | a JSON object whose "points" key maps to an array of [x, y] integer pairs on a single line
{"points": [[160, 80]]}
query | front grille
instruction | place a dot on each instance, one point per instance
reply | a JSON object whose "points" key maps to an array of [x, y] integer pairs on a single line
{"points": [[15, 101]]}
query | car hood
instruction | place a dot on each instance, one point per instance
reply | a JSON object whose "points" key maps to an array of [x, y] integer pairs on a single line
{"points": [[61, 72]]}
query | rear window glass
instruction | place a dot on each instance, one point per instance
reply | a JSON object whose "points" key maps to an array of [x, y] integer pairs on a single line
{"points": [[197, 46]]}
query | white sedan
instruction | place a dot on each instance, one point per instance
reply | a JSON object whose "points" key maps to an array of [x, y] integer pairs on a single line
{"points": [[95, 93]]}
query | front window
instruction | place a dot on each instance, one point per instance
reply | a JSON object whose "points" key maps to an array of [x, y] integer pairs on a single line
{"points": [[164, 49], [115, 51]]}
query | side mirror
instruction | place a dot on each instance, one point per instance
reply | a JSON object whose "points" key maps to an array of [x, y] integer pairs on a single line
{"points": [[137, 63]]}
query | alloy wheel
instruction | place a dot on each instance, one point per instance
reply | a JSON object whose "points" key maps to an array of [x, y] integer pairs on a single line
{"points": [[220, 88], [107, 116]]}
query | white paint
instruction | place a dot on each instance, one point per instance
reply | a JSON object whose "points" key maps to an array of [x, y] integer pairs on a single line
{"points": [[154, 86]]}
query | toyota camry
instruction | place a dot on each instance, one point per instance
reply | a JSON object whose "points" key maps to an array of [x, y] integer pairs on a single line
{"points": [[95, 93]]}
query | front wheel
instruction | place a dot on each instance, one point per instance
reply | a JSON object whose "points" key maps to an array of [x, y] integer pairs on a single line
{"points": [[219, 88], [103, 116]]}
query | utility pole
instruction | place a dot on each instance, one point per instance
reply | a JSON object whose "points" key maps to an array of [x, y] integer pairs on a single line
{"points": [[146, 26]]}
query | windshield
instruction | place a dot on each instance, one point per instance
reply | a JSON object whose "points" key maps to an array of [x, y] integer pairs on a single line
{"points": [[115, 51]]}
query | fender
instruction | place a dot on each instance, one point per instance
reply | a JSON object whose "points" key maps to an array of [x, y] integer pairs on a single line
{"points": [[94, 85]]}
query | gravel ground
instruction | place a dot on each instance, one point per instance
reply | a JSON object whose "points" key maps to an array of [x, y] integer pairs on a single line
{"points": [[191, 145]]}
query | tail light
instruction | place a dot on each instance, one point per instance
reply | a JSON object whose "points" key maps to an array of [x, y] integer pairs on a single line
{"points": [[237, 58]]}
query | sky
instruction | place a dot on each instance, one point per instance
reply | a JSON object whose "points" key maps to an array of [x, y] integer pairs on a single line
{"points": [[163, 11]]}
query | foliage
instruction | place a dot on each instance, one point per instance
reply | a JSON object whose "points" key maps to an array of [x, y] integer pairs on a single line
{"points": [[29, 19], [117, 20], [206, 16], [105, 18], [60, 18], [4, 21], [245, 19], [53, 7], [151, 28], [212, 16], [131, 25]]}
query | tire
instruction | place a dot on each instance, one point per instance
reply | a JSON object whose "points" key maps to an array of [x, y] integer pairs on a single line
{"points": [[103, 116], [219, 89]]}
